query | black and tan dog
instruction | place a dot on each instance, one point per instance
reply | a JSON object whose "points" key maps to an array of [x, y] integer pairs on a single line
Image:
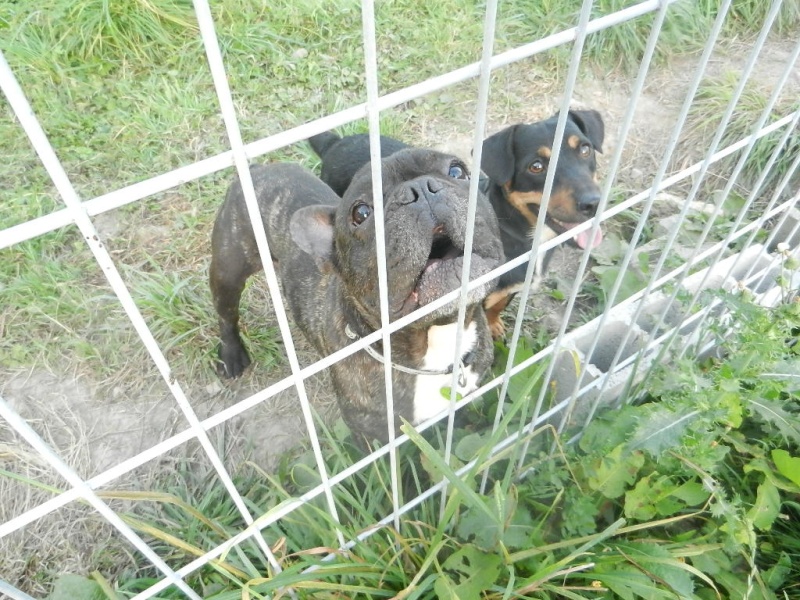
{"points": [[324, 248], [515, 161]]}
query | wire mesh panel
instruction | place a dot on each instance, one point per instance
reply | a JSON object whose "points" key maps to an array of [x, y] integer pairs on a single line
{"points": [[633, 167]]}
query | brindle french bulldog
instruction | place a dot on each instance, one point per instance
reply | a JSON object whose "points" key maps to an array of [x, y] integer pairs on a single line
{"points": [[325, 251]]}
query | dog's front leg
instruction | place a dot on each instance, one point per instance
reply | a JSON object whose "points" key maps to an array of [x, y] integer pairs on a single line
{"points": [[227, 285]]}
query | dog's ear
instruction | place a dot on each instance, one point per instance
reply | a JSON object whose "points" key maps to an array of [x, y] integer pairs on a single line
{"points": [[311, 228], [591, 124], [497, 160]]}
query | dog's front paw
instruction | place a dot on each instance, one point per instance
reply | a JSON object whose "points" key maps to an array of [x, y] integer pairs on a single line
{"points": [[233, 360], [496, 326]]}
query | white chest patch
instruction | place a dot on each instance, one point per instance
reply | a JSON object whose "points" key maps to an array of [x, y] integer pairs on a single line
{"points": [[428, 399]]}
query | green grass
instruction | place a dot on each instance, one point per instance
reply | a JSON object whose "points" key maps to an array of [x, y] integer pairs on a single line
{"points": [[118, 91], [712, 100], [745, 16], [123, 92], [688, 492]]}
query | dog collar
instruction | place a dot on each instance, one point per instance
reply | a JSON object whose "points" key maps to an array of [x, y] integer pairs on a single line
{"points": [[462, 362]]}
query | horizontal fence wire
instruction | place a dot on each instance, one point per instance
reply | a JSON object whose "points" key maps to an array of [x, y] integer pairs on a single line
{"points": [[161, 183], [78, 213]]}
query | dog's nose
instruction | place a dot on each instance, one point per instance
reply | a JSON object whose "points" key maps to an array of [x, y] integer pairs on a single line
{"points": [[588, 204], [423, 188], [434, 186]]}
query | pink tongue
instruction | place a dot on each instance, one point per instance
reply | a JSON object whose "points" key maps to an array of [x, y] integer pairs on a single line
{"points": [[582, 239]]}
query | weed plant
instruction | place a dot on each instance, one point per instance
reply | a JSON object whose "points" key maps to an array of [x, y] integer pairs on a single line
{"points": [[690, 491]]}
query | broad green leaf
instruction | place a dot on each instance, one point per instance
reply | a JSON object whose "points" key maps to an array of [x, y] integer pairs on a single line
{"points": [[445, 589], [644, 262], [729, 383], [657, 562], [733, 204], [661, 497], [614, 472], [788, 373], [606, 432], [629, 583], [631, 281], [468, 446], [731, 402], [512, 526], [611, 251], [475, 526], [771, 471], [777, 575], [787, 465], [767, 505], [661, 428], [75, 587], [580, 513], [518, 531], [741, 530], [468, 495], [640, 502], [712, 562], [469, 571], [773, 412], [692, 493], [447, 393], [735, 583]]}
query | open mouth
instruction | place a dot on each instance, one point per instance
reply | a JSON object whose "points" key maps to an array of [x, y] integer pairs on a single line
{"points": [[442, 249], [442, 273], [582, 239]]}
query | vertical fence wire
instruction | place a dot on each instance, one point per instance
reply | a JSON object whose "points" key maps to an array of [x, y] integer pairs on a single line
{"points": [[572, 77], [779, 190], [711, 267], [757, 186], [638, 86], [654, 189], [217, 68], [789, 206], [642, 221], [712, 148], [70, 197], [481, 109], [228, 110], [374, 119]]}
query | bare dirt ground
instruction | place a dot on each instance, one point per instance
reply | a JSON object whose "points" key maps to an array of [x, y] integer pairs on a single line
{"points": [[94, 432]]}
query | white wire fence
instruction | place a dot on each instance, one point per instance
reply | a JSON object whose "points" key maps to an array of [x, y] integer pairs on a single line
{"points": [[582, 389]]}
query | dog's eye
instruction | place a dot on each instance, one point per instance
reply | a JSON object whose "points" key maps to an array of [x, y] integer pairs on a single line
{"points": [[536, 167], [585, 150], [361, 213], [457, 172]]}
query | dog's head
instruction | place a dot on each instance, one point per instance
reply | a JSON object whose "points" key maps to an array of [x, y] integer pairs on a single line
{"points": [[517, 159], [425, 198]]}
